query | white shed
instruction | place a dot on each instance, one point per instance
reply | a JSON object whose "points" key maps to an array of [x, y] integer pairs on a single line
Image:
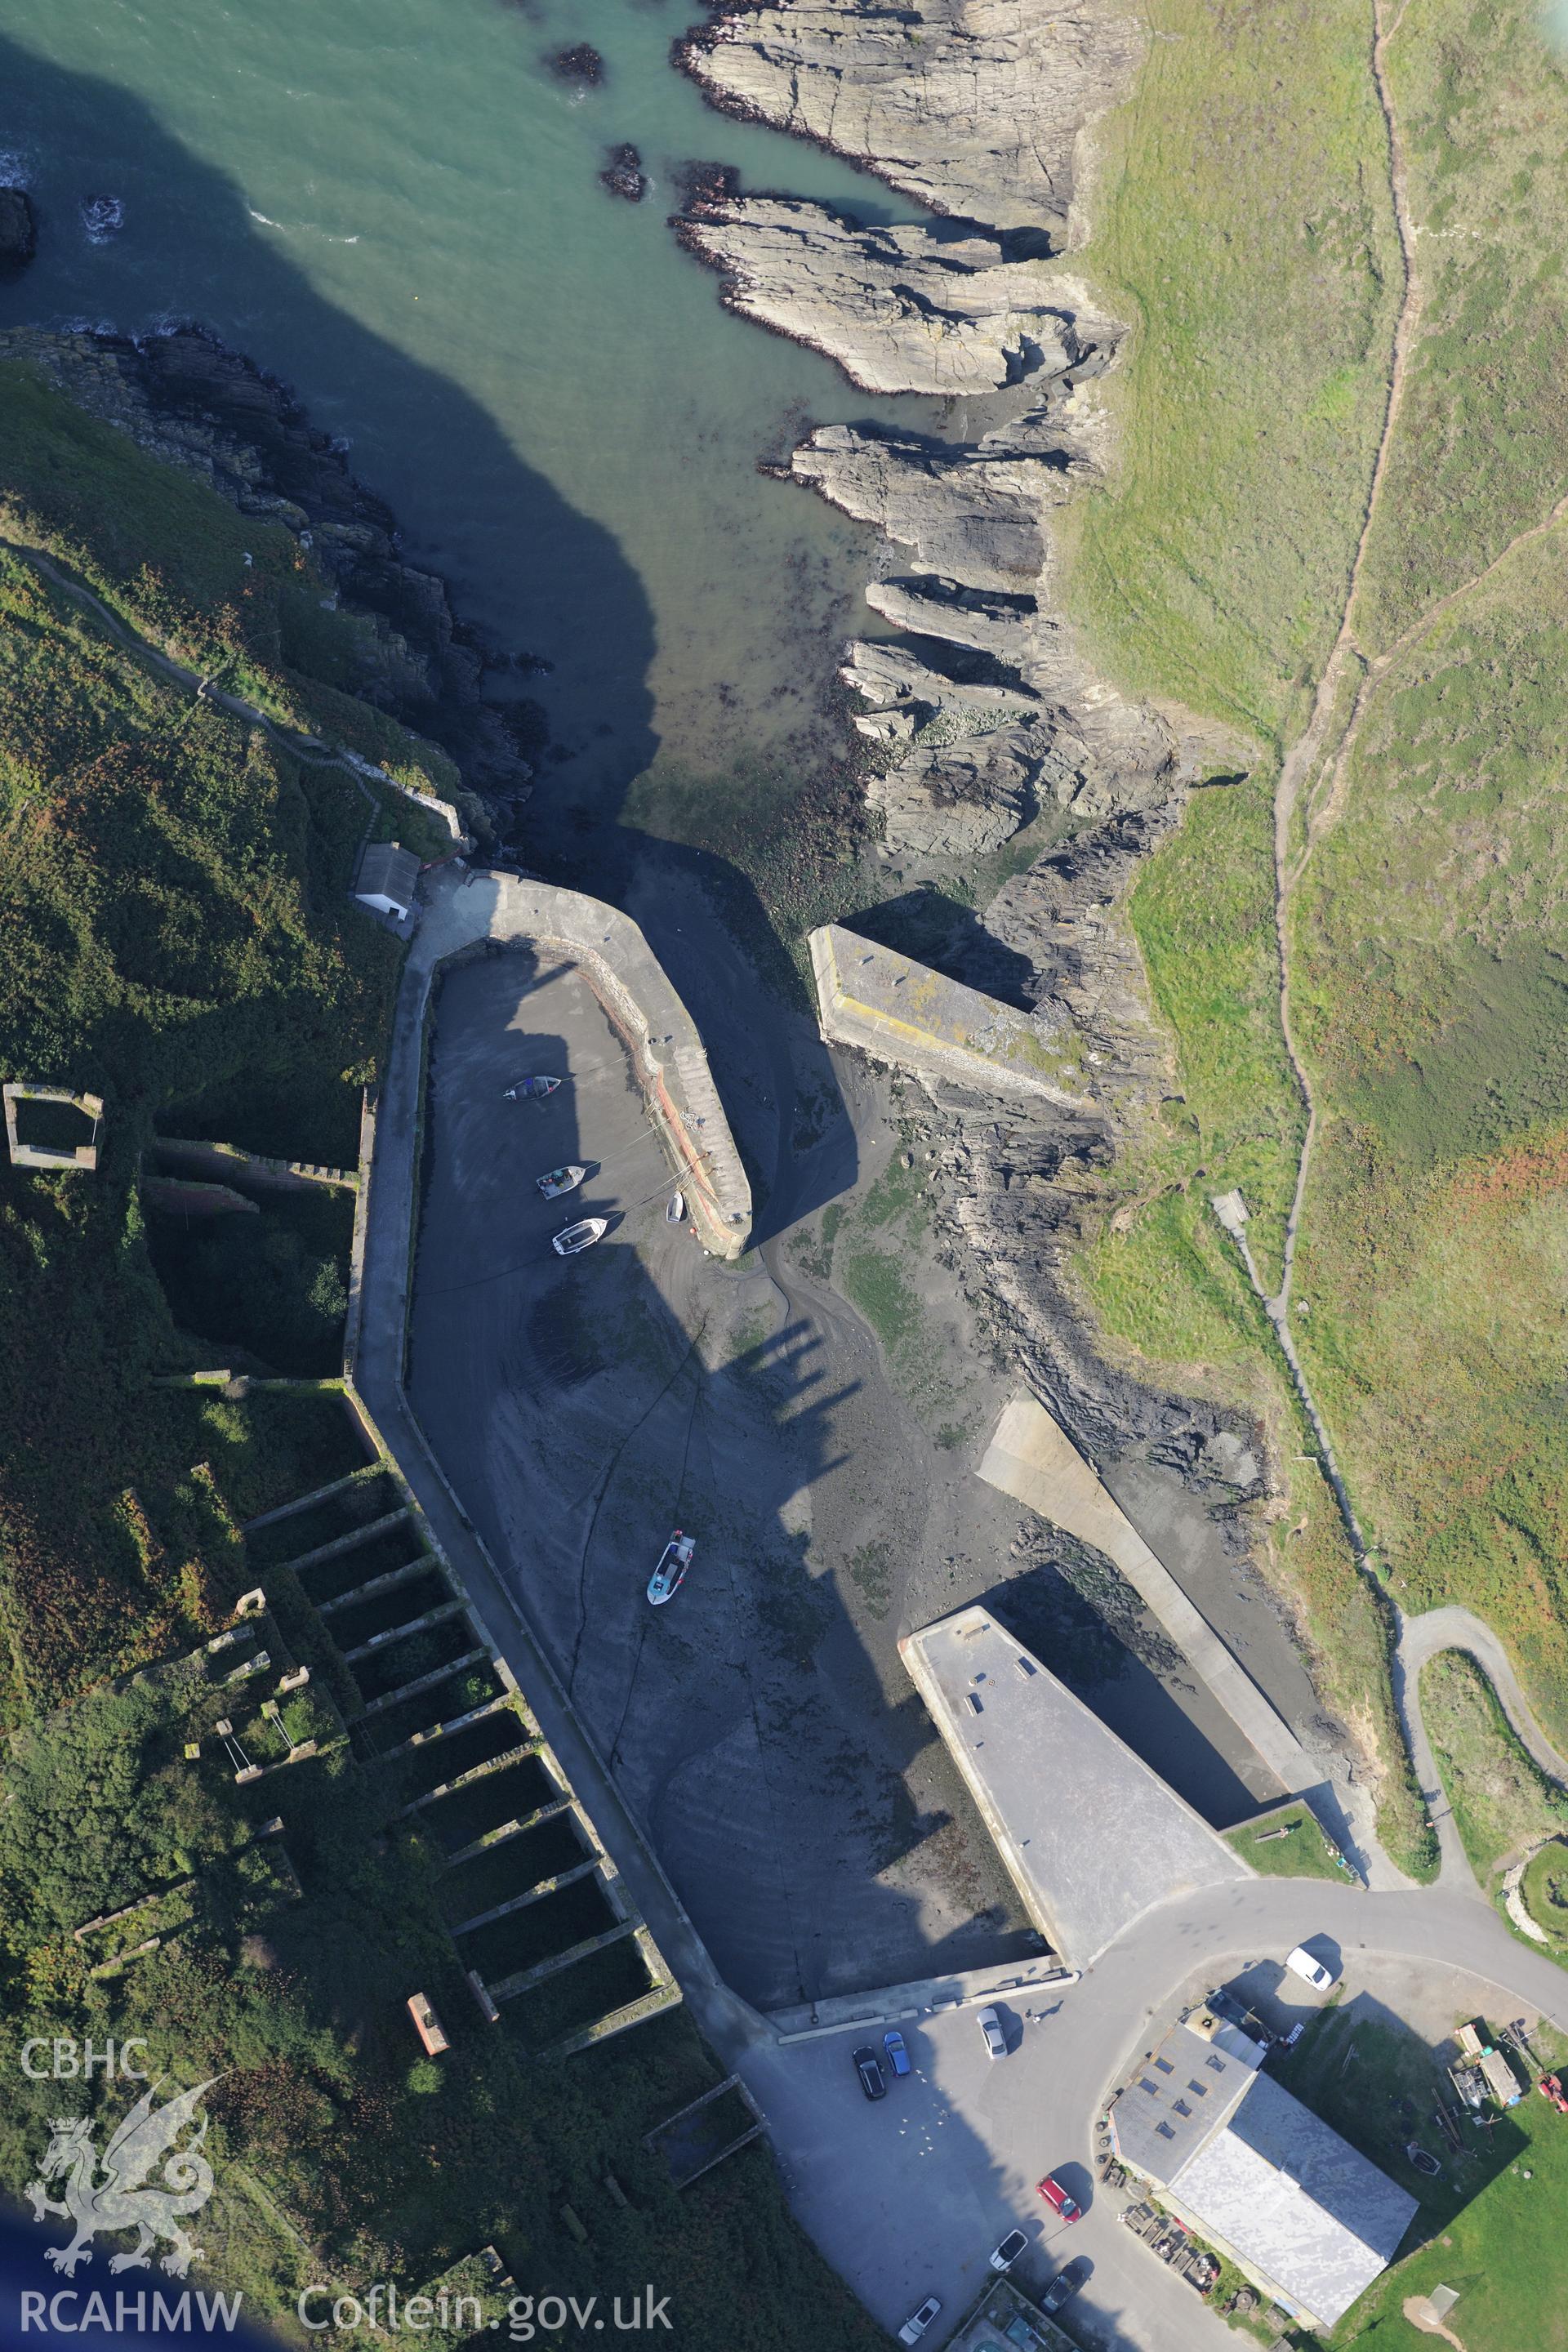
{"points": [[388, 879]]}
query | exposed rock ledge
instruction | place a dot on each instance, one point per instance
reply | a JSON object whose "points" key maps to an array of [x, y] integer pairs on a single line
{"points": [[980, 736], [941, 311], [973, 106]]}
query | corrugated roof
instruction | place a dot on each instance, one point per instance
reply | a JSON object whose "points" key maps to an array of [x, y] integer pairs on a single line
{"points": [[387, 870], [1295, 2201]]}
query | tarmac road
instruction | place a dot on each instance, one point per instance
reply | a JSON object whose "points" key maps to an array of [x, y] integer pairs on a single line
{"points": [[908, 2197]]}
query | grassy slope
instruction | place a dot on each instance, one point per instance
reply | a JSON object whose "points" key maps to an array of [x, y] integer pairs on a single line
{"points": [[1502, 2252], [176, 934], [1242, 221], [175, 914], [338, 2154], [1436, 1230], [1501, 1799], [1303, 1852], [1486, 2226]]}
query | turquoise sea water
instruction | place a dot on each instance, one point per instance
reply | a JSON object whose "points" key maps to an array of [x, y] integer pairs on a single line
{"points": [[395, 205]]}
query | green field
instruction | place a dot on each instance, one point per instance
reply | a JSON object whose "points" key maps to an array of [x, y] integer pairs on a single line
{"points": [[1503, 1801], [1303, 1852], [1500, 2250], [1242, 224]]}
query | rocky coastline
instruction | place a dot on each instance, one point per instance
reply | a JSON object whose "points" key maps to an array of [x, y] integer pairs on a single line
{"points": [[191, 401], [983, 711]]}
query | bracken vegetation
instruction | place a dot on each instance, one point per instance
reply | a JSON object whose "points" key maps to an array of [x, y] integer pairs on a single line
{"points": [[176, 935]]}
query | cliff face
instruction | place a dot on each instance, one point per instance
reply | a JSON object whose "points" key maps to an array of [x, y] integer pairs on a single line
{"points": [[984, 709], [189, 400], [975, 106]]}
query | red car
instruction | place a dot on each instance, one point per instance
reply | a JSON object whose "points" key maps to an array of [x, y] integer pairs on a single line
{"points": [[1056, 2198]]}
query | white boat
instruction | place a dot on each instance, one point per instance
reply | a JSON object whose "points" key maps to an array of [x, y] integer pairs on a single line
{"points": [[675, 1209], [530, 1089], [674, 1562], [559, 1181], [573, 1239]]}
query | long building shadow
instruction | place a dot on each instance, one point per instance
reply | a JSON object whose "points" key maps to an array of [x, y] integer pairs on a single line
{"points": [[824, 1843], [190, 233], [584, 1407]]}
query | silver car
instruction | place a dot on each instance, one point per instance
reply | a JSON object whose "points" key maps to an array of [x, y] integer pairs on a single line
{"points": [[995, 2039]]}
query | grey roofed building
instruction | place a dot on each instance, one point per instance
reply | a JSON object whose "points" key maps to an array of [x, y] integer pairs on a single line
{"points": [[388, 878], [1192, 2082], [1304, 2213]]}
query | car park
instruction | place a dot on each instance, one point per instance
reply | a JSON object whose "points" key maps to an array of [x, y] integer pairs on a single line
{"points": [[1003, 2256], [898, 2055], [990, 2024], [870, 2075], [1065, 2284], [915, 2325], [1301, 1963], [1059, 2198]]}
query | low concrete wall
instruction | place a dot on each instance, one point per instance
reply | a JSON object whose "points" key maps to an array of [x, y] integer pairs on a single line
{"points": [[902, 1011], [43, 1155], [472, 906], [195, 1157]]}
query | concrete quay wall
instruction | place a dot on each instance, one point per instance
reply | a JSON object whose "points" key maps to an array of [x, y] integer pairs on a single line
{"points": [[901, 1012]]}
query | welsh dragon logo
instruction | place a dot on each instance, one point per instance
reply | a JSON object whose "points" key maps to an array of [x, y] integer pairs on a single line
{"points": [[121, 2198]]}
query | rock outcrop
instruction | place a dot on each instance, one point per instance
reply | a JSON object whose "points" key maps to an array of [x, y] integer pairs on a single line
{"points": [[973, 106], [976, 739], [196, 404], [18, 232], [623, 175], [939, 310]]}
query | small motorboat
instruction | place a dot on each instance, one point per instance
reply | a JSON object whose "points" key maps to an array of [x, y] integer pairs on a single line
{"points": [[665, 1580], [675, 1209], [530, 1089], [559, 1181], [573, 1239]]}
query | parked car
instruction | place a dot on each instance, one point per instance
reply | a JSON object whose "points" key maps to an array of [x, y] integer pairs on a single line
{"points": [[915, 2325], [990, 2025], [1065, 2284], [580, 1236], [1003, 2256], [897, 2057], [870, 2075], [1058, 2199], [1315, 1973]]}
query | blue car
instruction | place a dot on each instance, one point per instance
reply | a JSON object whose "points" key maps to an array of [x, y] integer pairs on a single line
{"points": [[897, 2057]]}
